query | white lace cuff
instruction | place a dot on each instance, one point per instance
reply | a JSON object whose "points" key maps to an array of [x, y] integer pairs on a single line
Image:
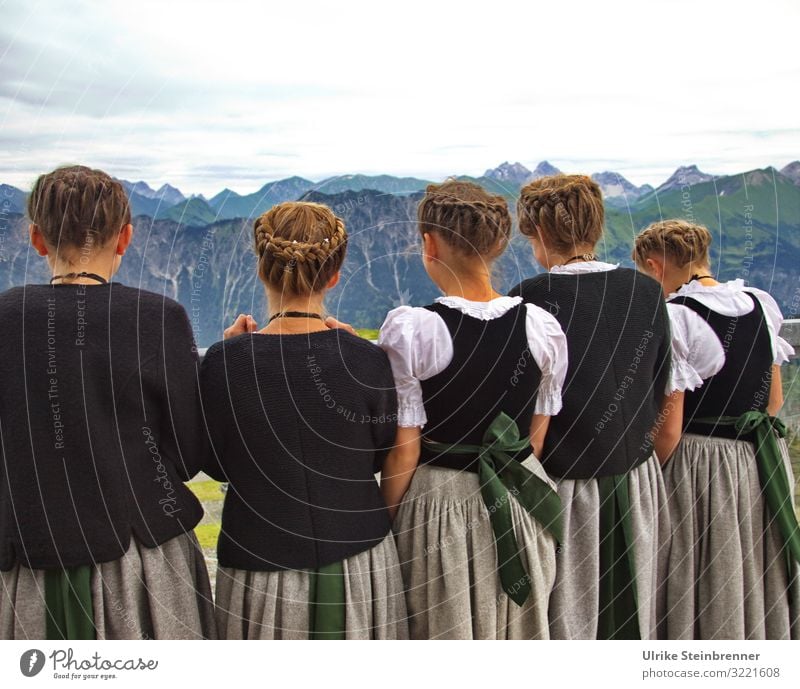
{"points": [[410, 415], [784, 352], [548, 399], [682, 377]]}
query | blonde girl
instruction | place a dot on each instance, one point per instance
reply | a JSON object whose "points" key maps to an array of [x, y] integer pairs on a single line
{"points": [[101, 424], [478, 376], [301, 418], [598, 449], [734, 563]]}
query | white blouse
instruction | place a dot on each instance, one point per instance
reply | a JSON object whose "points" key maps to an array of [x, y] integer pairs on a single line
{"points": [[583, 267], [419, 346], [697, 353]]}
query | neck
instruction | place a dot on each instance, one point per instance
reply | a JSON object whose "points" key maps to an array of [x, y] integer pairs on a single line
{"points": [[99, 265], [471, 286], [574, 255], [685, 275], [279, 302]]}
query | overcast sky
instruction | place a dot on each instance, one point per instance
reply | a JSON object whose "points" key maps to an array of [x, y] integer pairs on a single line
{"points": [[228, 94]]}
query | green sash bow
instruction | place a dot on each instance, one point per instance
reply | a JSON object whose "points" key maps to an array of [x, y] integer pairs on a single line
{"points": [[68, 599], [765, 430], [499, 475], [326, 602]]}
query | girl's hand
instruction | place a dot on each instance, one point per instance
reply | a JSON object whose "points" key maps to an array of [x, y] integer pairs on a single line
{"points": [[332, 323], [243, 324], [399, 467]]}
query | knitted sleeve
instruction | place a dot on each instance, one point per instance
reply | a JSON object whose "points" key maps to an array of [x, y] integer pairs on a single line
{"points": [[213, 396], [384, 413], [183, 435]]}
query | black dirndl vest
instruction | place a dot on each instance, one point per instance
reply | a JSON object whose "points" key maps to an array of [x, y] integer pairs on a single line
{"points": [[743, 382], [492, 371]]}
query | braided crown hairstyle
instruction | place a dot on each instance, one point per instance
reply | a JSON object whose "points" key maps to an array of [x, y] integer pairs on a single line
{"points": [[566, 209], [300, 246], [470, 220], [681, 241], [76, 206]]}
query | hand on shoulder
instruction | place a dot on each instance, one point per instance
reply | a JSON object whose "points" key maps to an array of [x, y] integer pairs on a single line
{"points": [[333, 323], [242, 325]]}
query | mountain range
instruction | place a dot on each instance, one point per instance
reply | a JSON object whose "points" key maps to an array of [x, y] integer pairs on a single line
{"points": [[200, 251], [170, 203]]}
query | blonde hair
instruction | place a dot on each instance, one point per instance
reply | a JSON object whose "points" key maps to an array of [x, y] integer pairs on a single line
{"points": [[566, 209], [300, 246], [683, 242], [470, 219]]}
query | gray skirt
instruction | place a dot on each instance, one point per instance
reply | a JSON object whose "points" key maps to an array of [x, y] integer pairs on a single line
{"points": [[449, 560], [274, 605], [148, 593], [575, 603], [727, 577]]}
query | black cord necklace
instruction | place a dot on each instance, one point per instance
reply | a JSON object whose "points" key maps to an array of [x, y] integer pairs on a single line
{"points": [[82, 274], [581, 257], [294, 314], [700, 277]]}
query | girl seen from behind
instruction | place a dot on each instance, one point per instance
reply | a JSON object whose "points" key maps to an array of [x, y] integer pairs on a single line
{"points": [[101, 423], [599, 448], [301, 417], [734, 565], [478, 377]]}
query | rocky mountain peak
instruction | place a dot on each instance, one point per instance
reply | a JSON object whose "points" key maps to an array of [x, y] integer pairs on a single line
{"points": [[545, 169], [792, 171], [685, 175], [514, 173]]}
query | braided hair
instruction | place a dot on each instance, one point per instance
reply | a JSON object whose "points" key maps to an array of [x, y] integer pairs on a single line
{"points": [[470, 220], [300, 246], [76, 206], [683, 242], [566, 209]]}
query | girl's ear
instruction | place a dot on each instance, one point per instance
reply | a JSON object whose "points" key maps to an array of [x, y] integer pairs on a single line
{"points": [[334, 280], [540, 252], [429, 246], [124, 239], [654, 267], [37, 240]]}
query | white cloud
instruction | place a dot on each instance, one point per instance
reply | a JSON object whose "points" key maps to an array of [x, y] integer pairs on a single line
{"points": [[189, 92]]}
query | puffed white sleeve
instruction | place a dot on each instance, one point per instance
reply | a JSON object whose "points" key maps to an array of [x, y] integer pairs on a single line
{"points": [[697, 353], [419, 346], [548, 345], [782, 351]]}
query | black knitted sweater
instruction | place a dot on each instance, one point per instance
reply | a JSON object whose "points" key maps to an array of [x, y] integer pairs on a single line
{"points": [[299, 425], [100, 421]]}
